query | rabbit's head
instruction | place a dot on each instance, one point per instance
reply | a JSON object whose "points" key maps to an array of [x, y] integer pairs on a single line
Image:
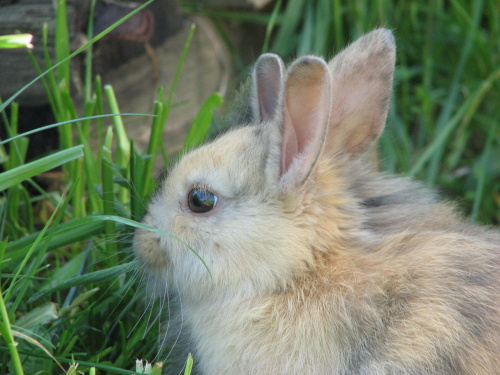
{"points": [[253, 202]]}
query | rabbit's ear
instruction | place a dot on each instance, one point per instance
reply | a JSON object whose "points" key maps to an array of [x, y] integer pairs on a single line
{"points": [[305, 112], [267, 81], [361, 89]]}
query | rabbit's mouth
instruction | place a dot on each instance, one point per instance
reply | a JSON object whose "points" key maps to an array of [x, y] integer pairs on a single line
{"points": [[147, 249]]}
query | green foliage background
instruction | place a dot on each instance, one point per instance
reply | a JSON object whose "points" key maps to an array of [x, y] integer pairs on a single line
{"points": [[68, 278]]}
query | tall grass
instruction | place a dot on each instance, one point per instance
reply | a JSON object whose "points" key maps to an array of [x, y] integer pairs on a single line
{"points": [[67, 270]]}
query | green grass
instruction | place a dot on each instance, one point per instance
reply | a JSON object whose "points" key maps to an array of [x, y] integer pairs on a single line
{"points": [[67, 271], [68, 278]]}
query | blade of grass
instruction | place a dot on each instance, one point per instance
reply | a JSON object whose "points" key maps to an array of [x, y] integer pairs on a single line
{"points": [[43, 80], [3, 223], [82, 298], [82, 266], [108, 369], [62, 41], [306, 36], [15, 176], [17, 158], [18, 153], [189, 365], [78, 201], [88, 55], [54, 218], [67, 233], [93, 277], [90, 163], [201, 124], [19, 148], [108, 199], [482, 173], [69, 107], [270, 25], [13, 205], [322, 27], [37, 344], [99, 112], [14, 115], [44, 314], [283, 43], [338, 24], [51, 79], [123, 148], [164, 106], [59, 213], [28, 205], [3, 153], [154, 142], [136, 186], [88, 110], [65, 272], [446, 113], [6, 330], [73, 121]]}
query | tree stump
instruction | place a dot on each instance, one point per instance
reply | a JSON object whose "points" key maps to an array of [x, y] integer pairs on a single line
{"points": [[121, 63]]}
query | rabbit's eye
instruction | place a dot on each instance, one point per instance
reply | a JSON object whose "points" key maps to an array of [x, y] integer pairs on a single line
{"points": [[200, 200]]}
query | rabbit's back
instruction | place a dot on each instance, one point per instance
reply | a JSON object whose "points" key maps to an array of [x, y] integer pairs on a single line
{"points": [[439, 302], [417, 290]]}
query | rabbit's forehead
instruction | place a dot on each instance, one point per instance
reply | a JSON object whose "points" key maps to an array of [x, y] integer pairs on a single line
{"points": [[228, 164]]}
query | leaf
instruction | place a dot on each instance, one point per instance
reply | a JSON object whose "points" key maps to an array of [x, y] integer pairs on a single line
{"points": [[189, 365], [19, 174], [73, 121], [41, 315], [78, 301], [66, 233], [93, 277], [38, 344], [62, 41], [201, 124], [66, 272]]}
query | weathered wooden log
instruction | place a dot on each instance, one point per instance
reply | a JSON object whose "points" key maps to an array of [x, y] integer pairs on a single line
{"points": [[207, 69], [124, 63], [29, 16]]}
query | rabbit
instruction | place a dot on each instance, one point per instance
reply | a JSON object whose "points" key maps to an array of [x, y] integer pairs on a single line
{"points": [[318, 263]]}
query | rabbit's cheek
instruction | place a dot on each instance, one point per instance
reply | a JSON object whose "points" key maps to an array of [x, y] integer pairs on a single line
{"points": [[182, 226]]}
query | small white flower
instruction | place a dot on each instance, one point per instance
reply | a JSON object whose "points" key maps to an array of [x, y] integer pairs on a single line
{"points": [[16, 41], [139, 367]]}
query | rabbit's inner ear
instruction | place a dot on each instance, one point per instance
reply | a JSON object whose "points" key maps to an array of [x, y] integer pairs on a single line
{"points": [[267, 82], [361, 88], [305, 118]]}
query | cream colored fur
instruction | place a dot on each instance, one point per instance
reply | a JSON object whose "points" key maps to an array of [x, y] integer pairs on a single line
{"points": [[320, 265]]}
